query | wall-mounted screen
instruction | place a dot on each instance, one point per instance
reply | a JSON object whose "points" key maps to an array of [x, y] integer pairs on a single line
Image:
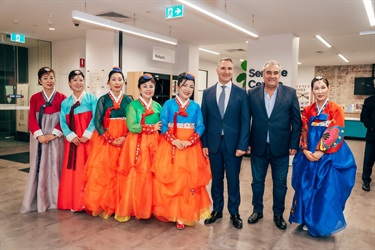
{"points": [[364, 86]]}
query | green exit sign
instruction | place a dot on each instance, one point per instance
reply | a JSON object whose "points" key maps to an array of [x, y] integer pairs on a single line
{"points": [[174, 11], [17, 38]]}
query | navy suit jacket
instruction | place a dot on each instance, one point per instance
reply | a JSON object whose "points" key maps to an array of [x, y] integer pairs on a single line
{"points": [[284, 124], [236, 121]]}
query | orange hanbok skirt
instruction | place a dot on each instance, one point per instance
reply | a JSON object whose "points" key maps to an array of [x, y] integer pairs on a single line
{"points": [[180, 187], [100, 172], [135, 182]]}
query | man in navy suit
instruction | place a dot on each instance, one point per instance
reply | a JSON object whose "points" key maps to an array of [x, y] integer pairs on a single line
{"points": [[226, 118], [274, 135], [368, 119]]}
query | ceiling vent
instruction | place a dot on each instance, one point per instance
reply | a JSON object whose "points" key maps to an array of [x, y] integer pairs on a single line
{"points": [[235, 50], [113, 16]]}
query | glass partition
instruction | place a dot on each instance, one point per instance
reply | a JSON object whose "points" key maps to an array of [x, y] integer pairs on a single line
{"points": [[19, 64]]}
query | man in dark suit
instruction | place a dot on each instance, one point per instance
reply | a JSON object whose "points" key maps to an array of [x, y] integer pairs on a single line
{"points": [[226, 118], [368, 119], [274, 135]]}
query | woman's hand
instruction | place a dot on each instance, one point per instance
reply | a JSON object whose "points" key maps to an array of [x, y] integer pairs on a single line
{"points": [[51, 137], [84, 139], [186, 144], [313, 156], [318, 154], [119, 141], [43, 139], [178, 144], [76, 141], [157, 126]]}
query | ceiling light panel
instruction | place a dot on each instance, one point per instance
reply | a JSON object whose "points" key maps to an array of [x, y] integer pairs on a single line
{"points": [[220, 16], [121, 27]]}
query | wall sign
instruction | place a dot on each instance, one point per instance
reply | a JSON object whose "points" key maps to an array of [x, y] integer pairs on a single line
{"points": [[304, 95], [174, 11], [259, 74], [163, 55], [82, 62], [18, 38]]}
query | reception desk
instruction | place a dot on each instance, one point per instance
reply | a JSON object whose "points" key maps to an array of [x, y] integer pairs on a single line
{"points": [[354, 128]]}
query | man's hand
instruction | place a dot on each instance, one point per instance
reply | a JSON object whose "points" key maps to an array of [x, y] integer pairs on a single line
{"points": [[240, 152], [205, 151]]}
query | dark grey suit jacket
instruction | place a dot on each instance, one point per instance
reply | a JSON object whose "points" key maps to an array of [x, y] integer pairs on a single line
{"points": [[368, 118], [236, 121], [284, 124]]}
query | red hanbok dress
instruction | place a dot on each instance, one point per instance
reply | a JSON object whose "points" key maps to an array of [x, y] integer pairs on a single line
{"points": [[81, 111]]}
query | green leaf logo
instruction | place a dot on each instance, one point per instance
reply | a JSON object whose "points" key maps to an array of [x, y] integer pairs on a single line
{"points": [[242, 77]]}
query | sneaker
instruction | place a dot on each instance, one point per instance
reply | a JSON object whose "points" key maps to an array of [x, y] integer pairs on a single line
{"points": [[304, 228]]}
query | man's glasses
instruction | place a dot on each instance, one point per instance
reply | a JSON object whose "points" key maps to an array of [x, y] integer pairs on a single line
{"points": [[147, 76]]}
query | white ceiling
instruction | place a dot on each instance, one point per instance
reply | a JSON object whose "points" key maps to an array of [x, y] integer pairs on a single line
{"points": [[338, 21]]}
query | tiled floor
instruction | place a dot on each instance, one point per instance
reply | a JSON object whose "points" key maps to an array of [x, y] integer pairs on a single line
{"points": [[56, 229]]}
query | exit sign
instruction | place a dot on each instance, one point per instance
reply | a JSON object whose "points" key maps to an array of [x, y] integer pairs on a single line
{"points": [[17, 38], [174, 11]]}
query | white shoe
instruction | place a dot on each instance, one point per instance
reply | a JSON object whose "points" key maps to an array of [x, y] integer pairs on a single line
{"points": [[304, 228]]}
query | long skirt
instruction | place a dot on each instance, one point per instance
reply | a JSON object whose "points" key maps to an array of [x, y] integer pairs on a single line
{"points": [[100, 172], [135, 182], [180, 182]]}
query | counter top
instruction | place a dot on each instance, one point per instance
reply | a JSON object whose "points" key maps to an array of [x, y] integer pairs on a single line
{"points": [[352, 119]]}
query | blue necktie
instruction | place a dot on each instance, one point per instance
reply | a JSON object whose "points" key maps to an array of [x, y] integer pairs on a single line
{"points": [[222, 101]]}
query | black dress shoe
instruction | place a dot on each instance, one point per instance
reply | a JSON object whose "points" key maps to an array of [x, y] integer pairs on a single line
{"points": [[236, 221], [366, 186], [214, 217], [254, 217], [280, 222]]}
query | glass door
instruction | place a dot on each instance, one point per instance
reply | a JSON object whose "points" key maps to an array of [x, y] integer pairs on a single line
{"points": [[19, 63]]}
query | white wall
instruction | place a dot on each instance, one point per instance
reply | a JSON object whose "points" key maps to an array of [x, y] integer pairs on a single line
{"points": [[137, 56], [101, 57], [65, 58], [282, 48], [305, 74]]}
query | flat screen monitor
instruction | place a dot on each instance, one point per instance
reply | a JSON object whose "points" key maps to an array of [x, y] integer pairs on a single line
{"points": [[364, 86]]}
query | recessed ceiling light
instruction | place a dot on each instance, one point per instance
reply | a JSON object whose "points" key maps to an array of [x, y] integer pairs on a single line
{"points": [[82, 16], [369, 32], [51, 28], [323, 41], [209, 51], [343, 58], [219, 16], [370, 11]]}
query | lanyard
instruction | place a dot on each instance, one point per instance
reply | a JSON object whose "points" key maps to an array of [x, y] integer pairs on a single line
{"points": [[321, 109]]}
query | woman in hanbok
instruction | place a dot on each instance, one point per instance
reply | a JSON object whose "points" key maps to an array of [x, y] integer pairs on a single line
{"points": [[77, 123], [181, 170], [100, 171], [135, 180], [324, 169], [46, 145]]}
